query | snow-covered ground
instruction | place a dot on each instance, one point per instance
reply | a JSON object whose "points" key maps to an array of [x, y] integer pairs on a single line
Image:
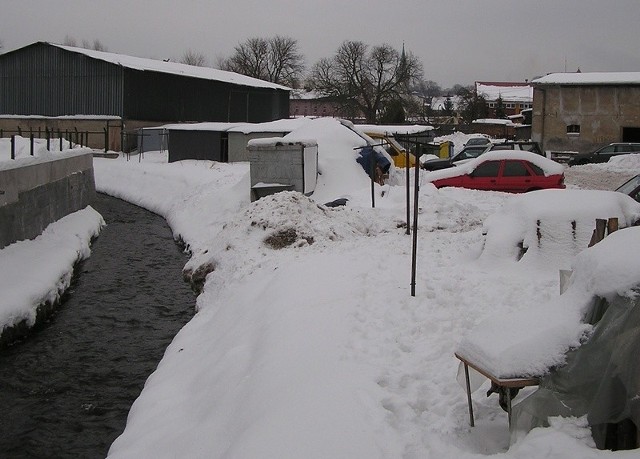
{"points": [[316, 349]]}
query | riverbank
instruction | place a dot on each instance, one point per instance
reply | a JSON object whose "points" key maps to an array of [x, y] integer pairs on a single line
{"points": [[68, 387], [36, 272]]}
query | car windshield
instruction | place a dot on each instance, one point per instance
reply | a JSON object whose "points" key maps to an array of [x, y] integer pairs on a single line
{"points": [[469, 153], [478, 141], [630, 185]]}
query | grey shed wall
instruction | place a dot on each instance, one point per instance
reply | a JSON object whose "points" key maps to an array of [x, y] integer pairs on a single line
{"points": [[238, 143], [41, 79], [185, 144]]}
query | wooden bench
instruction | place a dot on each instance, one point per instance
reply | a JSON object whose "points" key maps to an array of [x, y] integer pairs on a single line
{"points": [[506, 383]]}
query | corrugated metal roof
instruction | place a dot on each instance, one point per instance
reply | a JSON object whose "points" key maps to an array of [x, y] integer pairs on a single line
{"points": [[175, 68]]}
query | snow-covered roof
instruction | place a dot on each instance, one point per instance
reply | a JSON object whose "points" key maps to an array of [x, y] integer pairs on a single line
{"points": [[270, 142], [393, 129], [211, 126], [591, 78], [302, 94], [493, 121], [509, 92], [437, 103], [175, 68], [63, 117], [283, 125]]}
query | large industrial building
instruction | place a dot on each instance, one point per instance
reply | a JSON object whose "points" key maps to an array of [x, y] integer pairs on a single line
{"points": [[52, 88]]}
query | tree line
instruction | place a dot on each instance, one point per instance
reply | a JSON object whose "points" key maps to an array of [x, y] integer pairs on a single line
{"points": [[379, 82]]}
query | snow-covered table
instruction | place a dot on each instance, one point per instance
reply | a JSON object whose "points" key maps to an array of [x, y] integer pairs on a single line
{"points": [[501, 383]]}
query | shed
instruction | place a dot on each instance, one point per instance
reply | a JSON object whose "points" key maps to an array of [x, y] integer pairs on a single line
{"points": [[198, 141], [278, 165], [240, 136]]}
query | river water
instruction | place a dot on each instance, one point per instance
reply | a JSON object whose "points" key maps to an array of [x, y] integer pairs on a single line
{"points": [[65, 391]]}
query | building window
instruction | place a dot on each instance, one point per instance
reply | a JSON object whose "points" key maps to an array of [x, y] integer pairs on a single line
{"points": [[573, 129], [492, 104], [510, 105]]}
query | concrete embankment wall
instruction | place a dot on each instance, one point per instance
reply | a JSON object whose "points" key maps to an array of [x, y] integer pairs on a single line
{"points": [[35, 192]]}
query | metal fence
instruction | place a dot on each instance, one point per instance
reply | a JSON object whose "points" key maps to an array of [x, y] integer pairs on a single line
{"points": [[73, 137]]}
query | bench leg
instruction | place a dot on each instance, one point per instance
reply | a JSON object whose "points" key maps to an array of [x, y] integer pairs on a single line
{"points": [[466, 377]]}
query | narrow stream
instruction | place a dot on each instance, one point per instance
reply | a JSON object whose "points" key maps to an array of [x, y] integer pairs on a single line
{"points": [[66, 390]]}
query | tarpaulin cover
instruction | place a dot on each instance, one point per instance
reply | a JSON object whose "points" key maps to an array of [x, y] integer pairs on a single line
{"points": [[365, 159], [601, 380]]}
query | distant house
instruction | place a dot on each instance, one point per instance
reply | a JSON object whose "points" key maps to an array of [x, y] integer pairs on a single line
{"points": [[515, 96], [496, 128], [49, 86], [310, 103], [582, 111]]}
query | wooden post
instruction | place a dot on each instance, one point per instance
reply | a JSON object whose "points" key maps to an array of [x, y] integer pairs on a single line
{"points": [[469, 402], [13, 147], [599, 232], [612, 225]]}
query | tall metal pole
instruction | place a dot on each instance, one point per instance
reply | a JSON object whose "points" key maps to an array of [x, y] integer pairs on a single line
{"points": [[372, 167], [407, 167], [415, 232]]}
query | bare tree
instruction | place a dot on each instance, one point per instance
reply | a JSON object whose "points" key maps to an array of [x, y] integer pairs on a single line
{"points": [[366, 79], [69, 41], [276, 59], [98, 45], [472, 105], [191, 57]]}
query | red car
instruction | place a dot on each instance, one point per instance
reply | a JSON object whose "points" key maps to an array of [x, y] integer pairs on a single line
{"points": [[503, 170]]}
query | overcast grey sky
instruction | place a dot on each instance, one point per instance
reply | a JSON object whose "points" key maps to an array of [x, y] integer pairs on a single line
{"points": [[458, 41]]}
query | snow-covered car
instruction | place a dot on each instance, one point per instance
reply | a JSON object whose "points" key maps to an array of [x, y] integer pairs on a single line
{"points": [[631, 187], [549, 227], [533, 147], [509, 171]]}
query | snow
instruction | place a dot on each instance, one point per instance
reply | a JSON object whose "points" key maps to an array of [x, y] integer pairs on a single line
{"points": [[596, 78], [494, 121], [514, 93], [530, 342], [23, 151], [317, 348], [393, 129], [38, 271], [283, 125]]}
